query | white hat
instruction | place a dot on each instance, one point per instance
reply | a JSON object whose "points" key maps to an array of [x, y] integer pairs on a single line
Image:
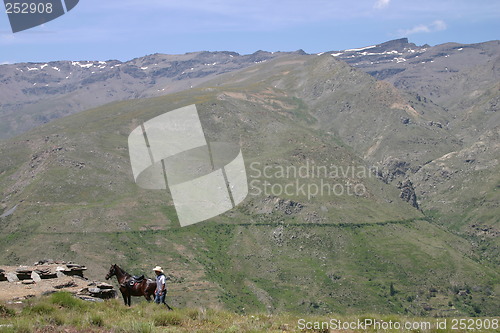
{"points": [[158, 269]]}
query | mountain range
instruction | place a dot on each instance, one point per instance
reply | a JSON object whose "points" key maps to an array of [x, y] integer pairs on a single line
{"points": [[421, 237]]}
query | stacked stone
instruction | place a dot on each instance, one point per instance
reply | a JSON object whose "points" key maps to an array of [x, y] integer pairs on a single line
{"points": [[99, 290], [37, 273]]}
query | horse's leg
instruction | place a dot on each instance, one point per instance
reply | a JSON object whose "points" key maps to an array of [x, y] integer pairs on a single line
{"points": [[129, 300], [144, 291], [148, 291], [124, 297]]}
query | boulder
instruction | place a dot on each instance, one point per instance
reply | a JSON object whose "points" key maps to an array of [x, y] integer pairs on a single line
{"points": [[48, 275], [42, 270], [83, 291], [23, 273], [408, 193], [76, 271], [103, 285], [104, 293], [35, 277], [79, 277], [12, 277], [23, 270], [28, 282], [108, 294], [71, 270], [89, 298], [66, 285], [98, 290]]}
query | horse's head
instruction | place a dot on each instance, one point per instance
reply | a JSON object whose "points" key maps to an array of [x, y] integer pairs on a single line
{"points": [[112, 272]]}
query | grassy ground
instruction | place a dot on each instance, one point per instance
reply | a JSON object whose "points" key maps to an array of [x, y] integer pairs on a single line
{"points": [[278, 267], [61, 312]]}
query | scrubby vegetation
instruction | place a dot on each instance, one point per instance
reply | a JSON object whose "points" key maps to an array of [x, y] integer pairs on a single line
{"points": [[61, 312]]}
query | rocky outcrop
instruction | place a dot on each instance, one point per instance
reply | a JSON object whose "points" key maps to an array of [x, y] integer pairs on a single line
{"points": [[72, 269], [278, 235], [44, 270], [408, 193], [275, 204], [484, 231], [48, 276], [97, 290], [393, 168]]}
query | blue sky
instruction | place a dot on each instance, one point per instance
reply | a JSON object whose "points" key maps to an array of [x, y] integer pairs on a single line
{"points": [[125, 29]]}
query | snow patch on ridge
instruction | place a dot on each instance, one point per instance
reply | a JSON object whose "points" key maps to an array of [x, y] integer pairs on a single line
{"points": [[361, 49]]}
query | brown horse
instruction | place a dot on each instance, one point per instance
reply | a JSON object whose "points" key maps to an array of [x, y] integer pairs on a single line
{"points": [[144, 288]]}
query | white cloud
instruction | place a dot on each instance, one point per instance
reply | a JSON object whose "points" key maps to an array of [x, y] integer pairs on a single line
{"points": [[438, 25], [381, 4]]}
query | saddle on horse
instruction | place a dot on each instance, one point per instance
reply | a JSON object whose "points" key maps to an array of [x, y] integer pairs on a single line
{"points": [[138, 279], [133, 281]]}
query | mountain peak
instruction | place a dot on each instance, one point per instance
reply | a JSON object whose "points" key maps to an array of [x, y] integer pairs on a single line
{"points": [[396, 44]]}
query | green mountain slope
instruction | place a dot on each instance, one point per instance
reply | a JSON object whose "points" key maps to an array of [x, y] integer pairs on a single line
{"points": [[75, 197]]}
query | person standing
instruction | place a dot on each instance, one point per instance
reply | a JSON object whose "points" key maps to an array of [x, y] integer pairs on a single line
{"points": [[161, 286]]}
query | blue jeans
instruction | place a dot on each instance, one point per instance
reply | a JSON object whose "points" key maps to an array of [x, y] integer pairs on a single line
{"points": [[160, 299]]}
